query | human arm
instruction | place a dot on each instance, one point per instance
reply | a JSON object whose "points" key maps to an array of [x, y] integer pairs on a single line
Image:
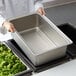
{"points": [[6, 24], [39, 7]]}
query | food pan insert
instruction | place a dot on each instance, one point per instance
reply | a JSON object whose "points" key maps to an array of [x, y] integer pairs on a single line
{"points": [[39, 38]]}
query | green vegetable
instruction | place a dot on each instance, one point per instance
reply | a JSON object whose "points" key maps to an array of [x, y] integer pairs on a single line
{"points": [[9, 63]]}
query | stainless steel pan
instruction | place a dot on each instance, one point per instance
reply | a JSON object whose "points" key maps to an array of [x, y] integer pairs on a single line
{"points": [[39, 38]]}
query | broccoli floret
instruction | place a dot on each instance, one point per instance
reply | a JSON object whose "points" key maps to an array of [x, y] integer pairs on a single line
{"points": [[9, 63]]}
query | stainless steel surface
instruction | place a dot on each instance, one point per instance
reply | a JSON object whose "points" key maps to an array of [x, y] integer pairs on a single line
{"points": [[52, 3], [39, 38], [62, 14]]}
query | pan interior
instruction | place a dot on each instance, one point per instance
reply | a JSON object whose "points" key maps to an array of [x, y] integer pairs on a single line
{"points": [[37, 41]]}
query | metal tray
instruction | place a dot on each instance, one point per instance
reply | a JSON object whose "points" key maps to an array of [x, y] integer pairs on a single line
{"points": [[19, 55], [39, 38]]}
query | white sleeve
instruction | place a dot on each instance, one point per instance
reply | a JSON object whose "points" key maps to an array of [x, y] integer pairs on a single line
{"points": [[2, 29], [38, 4], [1, 20]]}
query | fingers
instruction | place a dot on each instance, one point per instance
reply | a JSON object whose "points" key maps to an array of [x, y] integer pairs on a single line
{"points": [[12, 28], [41, 11], [9, 26]]}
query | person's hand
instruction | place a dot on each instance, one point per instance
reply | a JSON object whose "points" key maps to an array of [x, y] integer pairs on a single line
{"points": [[41, 11], [9, 26]]}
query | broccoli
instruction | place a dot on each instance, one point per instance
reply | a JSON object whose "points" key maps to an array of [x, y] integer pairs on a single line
{"points": [[9, 63]]}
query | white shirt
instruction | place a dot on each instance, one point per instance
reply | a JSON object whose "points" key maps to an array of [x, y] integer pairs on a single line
{"points": [[15, 8]]}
